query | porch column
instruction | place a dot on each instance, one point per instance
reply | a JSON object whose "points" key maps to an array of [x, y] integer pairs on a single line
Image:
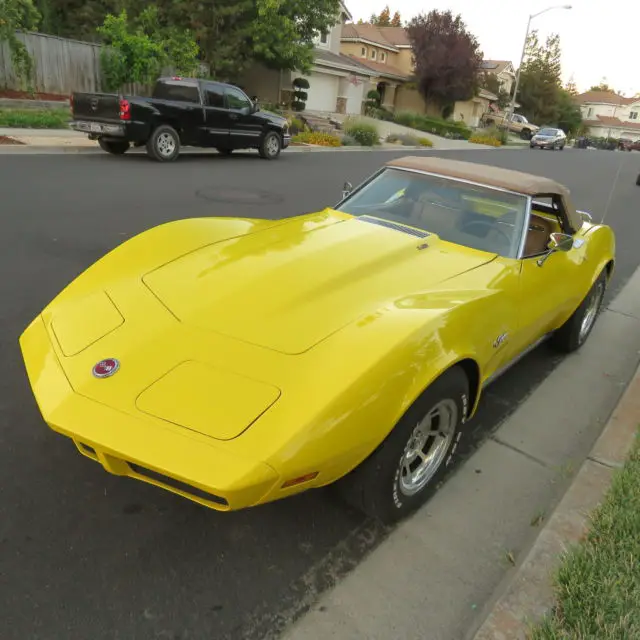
{"points": [[343, 91]]}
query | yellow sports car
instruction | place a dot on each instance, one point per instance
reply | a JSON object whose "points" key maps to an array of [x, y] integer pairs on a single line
{"points": [[237, 361]]}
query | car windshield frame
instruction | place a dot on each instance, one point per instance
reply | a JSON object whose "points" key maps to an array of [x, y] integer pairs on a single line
{"points": [[520, 224], [546, 130]]}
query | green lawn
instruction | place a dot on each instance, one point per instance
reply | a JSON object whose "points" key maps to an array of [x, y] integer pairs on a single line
{"points": [[35, 118], [598, 584]]}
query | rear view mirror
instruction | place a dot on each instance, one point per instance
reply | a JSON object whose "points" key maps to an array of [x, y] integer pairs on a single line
{"points": [[557, 242]]}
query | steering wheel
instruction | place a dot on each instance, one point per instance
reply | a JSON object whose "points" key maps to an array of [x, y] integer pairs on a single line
{"points": [[492, 227]]}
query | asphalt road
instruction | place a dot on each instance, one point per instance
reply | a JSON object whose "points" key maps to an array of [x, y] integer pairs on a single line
{"points": [[87, 555]]}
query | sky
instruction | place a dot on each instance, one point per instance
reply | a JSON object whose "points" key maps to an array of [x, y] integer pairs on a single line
{"points": [[598, 37]]}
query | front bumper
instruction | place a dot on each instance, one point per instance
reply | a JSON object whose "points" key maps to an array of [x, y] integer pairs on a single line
{"points": [[140, 447], [543, 144], [286, 140]]}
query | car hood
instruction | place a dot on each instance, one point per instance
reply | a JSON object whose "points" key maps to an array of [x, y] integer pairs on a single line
{"points": [[290, 286]]}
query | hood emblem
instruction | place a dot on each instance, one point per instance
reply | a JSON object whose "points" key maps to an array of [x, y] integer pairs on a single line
{"points": [[94, 104], [106, 368]]}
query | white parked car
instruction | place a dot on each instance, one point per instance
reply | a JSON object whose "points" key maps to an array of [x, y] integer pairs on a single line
{"points": [[549, 138]]}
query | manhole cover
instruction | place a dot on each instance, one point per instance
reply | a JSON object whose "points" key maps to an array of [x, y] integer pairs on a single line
{"points": [[239, 195]]}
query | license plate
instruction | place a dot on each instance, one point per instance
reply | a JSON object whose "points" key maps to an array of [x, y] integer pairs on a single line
{"points": [[96, 128]]}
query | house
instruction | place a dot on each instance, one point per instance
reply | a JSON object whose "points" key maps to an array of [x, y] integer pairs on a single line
{"points": [[608, 115], [337, 83], [504, 70], [387, 52]]}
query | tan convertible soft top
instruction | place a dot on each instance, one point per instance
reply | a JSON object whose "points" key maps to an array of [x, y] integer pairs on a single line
{"points": [[525, 183]]}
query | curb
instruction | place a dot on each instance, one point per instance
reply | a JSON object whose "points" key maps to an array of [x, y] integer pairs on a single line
{"points": [[528, 595]]}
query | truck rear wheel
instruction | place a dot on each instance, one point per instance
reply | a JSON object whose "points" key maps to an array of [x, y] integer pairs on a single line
{"points": [[525, 134], [164, 144], [116, 147]]}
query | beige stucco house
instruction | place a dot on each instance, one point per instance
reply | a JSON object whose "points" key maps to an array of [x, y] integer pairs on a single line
{"points": [[609, 115], [504, 70]]}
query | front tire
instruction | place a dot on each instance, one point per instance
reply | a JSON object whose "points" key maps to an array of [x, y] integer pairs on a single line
{"points": [[270, 146], [115, 147], [403, 472], [164, 144], [575, 331]]}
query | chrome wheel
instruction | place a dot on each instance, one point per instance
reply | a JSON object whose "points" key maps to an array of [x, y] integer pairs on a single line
{"points": [[273, 145], [166, 144], [591, 312], [427, 447]]}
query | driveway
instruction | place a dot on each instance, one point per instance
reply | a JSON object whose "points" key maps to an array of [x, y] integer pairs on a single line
{"points": [[88, 555]]}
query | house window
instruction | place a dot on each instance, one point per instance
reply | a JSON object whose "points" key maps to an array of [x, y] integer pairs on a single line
{"points": [[590, 112], [383, 56], [633, 115], [373, 54], [324, 38], [363, 53]]}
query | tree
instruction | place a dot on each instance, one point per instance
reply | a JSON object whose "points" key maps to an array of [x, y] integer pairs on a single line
{"points": [[447, 57], [540, 79], [384, 19], [136, 51], [396, 21], [18, 15], [603, 86], [491, 83], [571, 87], [543, 99]]}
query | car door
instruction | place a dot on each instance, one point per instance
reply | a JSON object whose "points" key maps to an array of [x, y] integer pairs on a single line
{"points": [[551, 285], [244, 127], [217, 121]]}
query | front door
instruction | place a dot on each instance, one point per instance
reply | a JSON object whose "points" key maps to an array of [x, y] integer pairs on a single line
{"points": [[216, 116], [244, 127]]}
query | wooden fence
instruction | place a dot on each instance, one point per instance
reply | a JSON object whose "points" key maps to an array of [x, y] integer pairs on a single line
{"points": [[60, 65]]}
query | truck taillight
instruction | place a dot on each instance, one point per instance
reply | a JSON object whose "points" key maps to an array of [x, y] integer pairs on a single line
{"points": [[125, 109]]}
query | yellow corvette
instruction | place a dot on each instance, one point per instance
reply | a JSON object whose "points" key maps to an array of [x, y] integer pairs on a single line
{"points": [[237, 361]]}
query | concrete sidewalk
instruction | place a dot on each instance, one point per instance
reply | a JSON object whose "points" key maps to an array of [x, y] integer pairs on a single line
{"points": [[436, 575]]}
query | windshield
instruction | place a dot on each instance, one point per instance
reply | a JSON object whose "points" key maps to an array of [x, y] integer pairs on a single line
{"points": [[469, 215], [548, 132]]}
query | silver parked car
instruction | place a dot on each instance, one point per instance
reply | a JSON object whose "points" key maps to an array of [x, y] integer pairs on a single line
{"points": [[549, 138]]}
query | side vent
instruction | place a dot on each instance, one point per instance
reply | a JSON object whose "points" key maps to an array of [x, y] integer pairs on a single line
{"points": [[394, 225]]}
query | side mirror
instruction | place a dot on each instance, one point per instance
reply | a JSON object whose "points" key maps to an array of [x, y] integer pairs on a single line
{"points": [[557, 242], [560, 242], [346, 189]]}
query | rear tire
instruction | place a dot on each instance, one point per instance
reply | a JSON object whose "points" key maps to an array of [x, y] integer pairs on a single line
{"points": [[115, 147], [403, 472], [164, 144], [575, 331], [270, 146], [525, 134]]}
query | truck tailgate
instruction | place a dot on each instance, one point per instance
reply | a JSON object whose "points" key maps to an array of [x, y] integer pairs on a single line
{"points": [[100, 107]]}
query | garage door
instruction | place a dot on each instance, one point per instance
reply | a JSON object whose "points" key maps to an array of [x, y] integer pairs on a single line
{"points": [[323, 92]]}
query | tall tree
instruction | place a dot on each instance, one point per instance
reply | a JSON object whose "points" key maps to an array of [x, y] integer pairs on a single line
{"points": [[16, 15], [384, 19], [603, 86], [447, 57], [571, 87], [396, 21], [540, 79]]}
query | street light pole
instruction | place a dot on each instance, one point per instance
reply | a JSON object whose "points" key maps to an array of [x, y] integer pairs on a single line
{"points": [[524, 50]]}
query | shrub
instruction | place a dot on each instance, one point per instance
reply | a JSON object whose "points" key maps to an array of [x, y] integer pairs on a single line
{"points": [[296, 125], [406, 118], [499, 134], [317, 138], [425, 142], [372, 103], [484, 139], [365, 133], [299, 94], [383, 114], [349, 141], [405, 139]]}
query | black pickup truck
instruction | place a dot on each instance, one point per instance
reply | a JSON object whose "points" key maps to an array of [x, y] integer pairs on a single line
{"points": [[180, 112]]}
